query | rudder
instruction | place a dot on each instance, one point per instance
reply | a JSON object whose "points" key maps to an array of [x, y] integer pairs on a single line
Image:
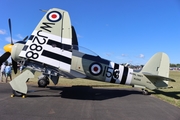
{"points": [[158, 65]]}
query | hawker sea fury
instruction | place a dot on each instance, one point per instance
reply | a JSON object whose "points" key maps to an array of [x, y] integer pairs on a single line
{"points": [[53, 50]]}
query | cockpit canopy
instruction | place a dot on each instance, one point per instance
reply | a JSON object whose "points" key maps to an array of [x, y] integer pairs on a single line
{"points": [[83, 50]]}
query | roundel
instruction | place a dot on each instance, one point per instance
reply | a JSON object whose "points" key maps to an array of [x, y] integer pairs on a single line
{"points": [[95, 69], [54, 16]]}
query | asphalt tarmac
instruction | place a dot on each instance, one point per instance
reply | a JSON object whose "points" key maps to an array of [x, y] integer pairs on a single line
{"points": [[83, 103]]}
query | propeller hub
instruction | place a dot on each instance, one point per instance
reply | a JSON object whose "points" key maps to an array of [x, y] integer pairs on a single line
{"points": [[8, 48]]}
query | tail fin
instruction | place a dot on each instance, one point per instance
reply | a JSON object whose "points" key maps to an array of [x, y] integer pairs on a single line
{"points": [[157, 65]]}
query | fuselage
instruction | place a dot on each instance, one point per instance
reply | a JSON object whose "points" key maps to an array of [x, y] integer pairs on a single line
{"points": [[96, 68]]}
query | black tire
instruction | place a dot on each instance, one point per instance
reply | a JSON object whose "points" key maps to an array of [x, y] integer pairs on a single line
{"points": [[145, 92], [16, 93], [43, 82]]}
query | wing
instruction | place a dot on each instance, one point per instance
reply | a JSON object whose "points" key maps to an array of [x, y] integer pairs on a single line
{"points": [[50, 43]]}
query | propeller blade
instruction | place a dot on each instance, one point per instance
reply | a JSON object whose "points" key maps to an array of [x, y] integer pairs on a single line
{"points": [[4, 57], [9, 20], [14, 65], [25, 38]]}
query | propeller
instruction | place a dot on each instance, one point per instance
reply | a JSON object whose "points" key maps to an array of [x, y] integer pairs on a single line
{"points": [[4, 57], [9, 21], [14, 65], [8, 48]]}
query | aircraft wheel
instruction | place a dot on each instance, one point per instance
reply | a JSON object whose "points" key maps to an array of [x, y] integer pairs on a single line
{"points": [[145, 92], [16, 93], [43, 82], [12, 95], [23, 96]]}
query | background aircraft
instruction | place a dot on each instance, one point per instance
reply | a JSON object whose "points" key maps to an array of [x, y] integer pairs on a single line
{"points": [[53, 50]]}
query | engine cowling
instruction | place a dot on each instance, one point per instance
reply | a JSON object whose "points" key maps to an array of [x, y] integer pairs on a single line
{"points": [[16, 49]]}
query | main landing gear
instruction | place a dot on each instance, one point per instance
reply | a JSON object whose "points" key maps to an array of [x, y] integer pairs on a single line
{"points": [[43, 81], [145, 92], [18, 94]]}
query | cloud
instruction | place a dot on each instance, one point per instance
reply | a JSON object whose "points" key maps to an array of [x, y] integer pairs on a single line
{"points": [[2, 32], [123, 55], [108, 54], [119, 57], [79, 36], [141, 56], [107, 25], [20, 36], [1, 52], [8, 39]]}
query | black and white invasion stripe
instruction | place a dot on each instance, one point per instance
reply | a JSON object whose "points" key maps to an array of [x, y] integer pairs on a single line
{"points": [[56, 50], [124, 76]]}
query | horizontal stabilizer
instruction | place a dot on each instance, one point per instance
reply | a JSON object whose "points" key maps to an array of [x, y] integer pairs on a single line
{"points": [[157, 77]]}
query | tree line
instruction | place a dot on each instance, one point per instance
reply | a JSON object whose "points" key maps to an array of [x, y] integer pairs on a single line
{"points": [[174, 65]]}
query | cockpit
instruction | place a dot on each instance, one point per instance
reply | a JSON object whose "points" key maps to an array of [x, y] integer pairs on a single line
{"points": [[82, 50]]}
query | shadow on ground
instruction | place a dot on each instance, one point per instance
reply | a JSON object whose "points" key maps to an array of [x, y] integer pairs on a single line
{"points": [[173, 94], [82, 92]]}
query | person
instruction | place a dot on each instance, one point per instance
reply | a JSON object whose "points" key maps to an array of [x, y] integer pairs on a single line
{"points": [[8, 72], [3, 71], [21, 68]]}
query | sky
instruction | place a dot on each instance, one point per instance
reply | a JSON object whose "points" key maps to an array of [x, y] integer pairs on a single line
{"points": [[123, 31]]}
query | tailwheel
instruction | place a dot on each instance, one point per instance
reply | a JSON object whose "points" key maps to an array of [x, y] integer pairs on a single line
{"points": [[23, 96], [145, 92], [12, 95]]}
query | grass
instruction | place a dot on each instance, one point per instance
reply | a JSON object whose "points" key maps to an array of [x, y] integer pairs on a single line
{"points": [[171, 96]]}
